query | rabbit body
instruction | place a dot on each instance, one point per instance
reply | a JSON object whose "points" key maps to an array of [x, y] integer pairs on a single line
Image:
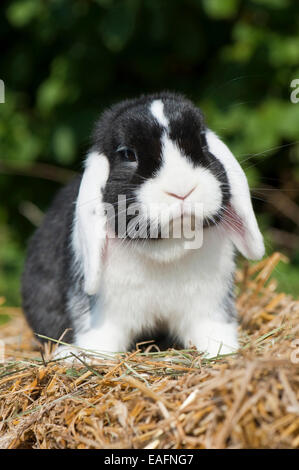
{"points": [[107, 289], [189, 296]]}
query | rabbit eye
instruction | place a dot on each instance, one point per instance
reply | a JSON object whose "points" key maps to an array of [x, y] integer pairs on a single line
{"points": [[127, 154]]}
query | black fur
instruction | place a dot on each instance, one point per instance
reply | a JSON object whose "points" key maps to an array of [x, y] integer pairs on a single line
{"points": [[159, 338], [47, 276]]}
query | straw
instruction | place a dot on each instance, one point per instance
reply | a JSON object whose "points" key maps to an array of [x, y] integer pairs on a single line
{"points": [[161, 399]]}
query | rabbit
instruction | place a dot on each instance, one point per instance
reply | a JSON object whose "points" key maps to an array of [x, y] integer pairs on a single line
{"points": [[88, 276]]}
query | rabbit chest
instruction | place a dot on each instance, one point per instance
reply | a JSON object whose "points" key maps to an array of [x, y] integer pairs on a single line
{"points": [[165, 282]]}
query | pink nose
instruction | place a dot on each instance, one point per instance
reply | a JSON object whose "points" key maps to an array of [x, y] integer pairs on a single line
{"points": [[180, 197]]}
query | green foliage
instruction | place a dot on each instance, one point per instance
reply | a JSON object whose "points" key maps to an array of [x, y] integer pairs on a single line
{"points": [[4, 319], [288, 278], [65, 60], [219, 9], [11, 261]]}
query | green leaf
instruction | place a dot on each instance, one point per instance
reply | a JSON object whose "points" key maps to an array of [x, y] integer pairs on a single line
{"points": [[221, 9], [50, 93], [4, 318], [117, 25], [21, 12], [273, 3], [64, 145]]}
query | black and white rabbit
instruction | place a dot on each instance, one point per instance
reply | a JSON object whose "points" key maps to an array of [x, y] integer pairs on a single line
{"points": [[84, 274]]}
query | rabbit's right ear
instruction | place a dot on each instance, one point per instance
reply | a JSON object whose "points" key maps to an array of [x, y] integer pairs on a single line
{"points": [[90, 230]]}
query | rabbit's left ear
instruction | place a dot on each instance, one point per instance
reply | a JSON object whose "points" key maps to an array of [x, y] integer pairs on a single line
{"points": [[90, 224], [239, 216]]}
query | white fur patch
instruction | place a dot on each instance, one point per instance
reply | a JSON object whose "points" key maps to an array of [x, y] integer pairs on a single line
{"points": [[89, 232], [187, 294], [178, 175], [214, 337], [157, 110], [251, 244]]}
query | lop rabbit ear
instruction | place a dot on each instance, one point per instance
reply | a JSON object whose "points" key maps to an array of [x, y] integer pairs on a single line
{"points": [[239, 217], [90, 231]]}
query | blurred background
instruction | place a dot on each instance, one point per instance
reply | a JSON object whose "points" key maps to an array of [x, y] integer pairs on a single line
{"points": [[63, 61]]}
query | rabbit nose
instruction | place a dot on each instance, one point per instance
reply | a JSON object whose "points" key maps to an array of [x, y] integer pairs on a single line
{"points": [[180, 197]]}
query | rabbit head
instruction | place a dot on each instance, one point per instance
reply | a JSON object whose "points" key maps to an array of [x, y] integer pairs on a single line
{"points": [[152, 161]]}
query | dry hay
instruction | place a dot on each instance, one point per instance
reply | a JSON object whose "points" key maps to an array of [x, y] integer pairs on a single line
{"points": [[173, 399]]}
